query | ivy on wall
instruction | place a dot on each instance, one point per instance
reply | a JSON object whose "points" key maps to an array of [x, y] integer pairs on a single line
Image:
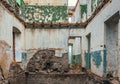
{"points": [[94, 4], [83, 9], [23, 7], [45, 13], [99, 1], [34, 13], [18, 5], [12, 3], [16, 2]]}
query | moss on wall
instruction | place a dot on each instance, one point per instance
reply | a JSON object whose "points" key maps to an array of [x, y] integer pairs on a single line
{"points": [[94, 4], [18, 5], [16, 2], [76, 60], [83, 9], [46, 13], [12, 3]]}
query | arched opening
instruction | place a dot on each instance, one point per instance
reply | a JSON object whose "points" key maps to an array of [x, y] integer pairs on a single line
{"points": [[16, 45]]}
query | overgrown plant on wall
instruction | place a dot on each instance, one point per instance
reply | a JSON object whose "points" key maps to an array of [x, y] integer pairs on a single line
{"points": [[94, 4], [18, 5], [12, 2], [83, 9], [46, 13], [33, 13]]}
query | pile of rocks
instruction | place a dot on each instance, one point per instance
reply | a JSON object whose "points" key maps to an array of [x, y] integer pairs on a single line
{"points": [[14, 69], [45, 61], [2, 79], [14, 72]]}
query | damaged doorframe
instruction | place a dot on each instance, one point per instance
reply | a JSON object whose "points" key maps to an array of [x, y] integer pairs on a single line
{"points": [[15, 32], [75, 43], [70, 53], [13, 45], [88, 54], [112, 45]]}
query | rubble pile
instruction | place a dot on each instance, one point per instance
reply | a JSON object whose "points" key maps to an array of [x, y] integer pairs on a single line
{"points": [[45, 61], [2, 79], [14, 71]]}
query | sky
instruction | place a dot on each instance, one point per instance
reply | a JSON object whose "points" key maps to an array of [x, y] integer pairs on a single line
{"points": [[72, 2]]}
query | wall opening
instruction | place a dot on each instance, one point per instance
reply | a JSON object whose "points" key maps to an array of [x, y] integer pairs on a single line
{"points": [[74, 42], [16, 45], [88, 54], [112, 47], [70, 53], [77, 50]]}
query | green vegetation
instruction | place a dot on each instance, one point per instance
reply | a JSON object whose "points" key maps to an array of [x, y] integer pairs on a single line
{"points": [[83, 9], [46, 13], [76, 60], [94, 4], [35, 13]]}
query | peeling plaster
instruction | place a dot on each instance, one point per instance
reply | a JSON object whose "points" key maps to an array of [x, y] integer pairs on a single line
{"points": [[97, 58]]}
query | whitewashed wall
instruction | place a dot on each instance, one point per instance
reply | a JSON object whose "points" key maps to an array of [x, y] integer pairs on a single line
{"points": [[7, 22], [96, 28]]}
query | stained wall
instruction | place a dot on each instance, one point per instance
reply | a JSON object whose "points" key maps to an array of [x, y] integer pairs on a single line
{"points": [[7, 22]]}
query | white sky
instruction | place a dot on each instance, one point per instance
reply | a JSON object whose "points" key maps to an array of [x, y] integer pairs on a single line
{"points": [[72, 2]]}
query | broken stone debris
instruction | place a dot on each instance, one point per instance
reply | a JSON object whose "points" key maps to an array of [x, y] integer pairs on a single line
{"points": [[14, 71], [113, 81], [2, 79], [45, 60]]}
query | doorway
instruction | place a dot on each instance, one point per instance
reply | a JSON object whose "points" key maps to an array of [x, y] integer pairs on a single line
{"points": [[75, 49], [16, 45], [112, 44], [88, 53], [70, 53]]}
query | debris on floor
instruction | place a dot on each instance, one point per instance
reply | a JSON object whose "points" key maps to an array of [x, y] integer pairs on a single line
{"points": [[114, 81], [45, 61], [2, 79], [14, 71]]}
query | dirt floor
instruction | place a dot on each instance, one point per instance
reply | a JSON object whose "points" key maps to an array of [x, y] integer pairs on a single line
{"points": [[45, 68]]}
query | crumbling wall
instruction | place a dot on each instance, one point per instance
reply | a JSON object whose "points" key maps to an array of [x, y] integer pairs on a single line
{"points": [[98, 37], [76, 49], [44, 61], [54, 38], [7, 22], [50, 38], [2, 78], [47, 2], [119, 45], [5, 57], [14, 72], [46, 13], [75, 16], [112, 47]]}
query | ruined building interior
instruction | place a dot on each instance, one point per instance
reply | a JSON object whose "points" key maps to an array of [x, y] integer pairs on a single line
{"points": [[59, 42]]}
